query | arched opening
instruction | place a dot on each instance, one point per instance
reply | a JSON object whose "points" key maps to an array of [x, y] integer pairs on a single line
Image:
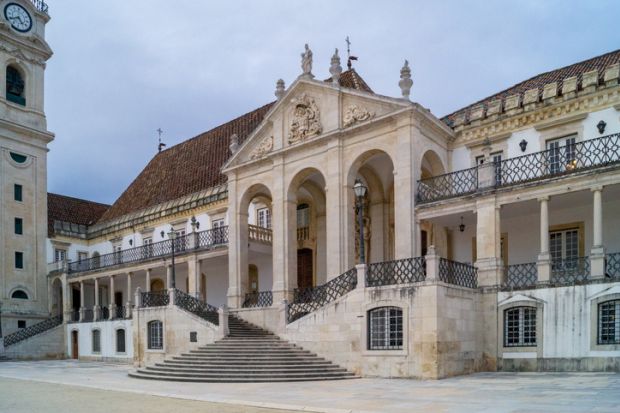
{"points": [[431, 166], [57, 299], [253, 278], [155, 335], [15, 86], [306, 200], [374, 169], [157, 285], [120, 341], [74, 345], [19, 295]]}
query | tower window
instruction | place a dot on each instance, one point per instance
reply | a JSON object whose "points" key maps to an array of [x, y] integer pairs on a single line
{"points": [[19, 259], [15, 86], [19, 294], [19, 226], [17, 192], [21, 323], [19, 158]]}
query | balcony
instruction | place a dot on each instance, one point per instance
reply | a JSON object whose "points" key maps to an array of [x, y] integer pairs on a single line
{"points": [[210, 239], [259, 234], [556, 162], [40, 5]]}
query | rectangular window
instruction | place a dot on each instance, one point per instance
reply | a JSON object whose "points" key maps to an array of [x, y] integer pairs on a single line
{"points": [[564, 248], [21, 323], [609, 322], [561, 154], [147, 250], [19, 260], [17, 192], [19, 226], [497, 164], [82, 256], [479, 160], [263, 218], [520, 327], [155, 335], [96, 341], [117, 250], [60, 255], [217, 225]]}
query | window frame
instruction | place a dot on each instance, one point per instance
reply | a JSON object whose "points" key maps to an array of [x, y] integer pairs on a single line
{"points": [[266, 216], [60, 252], [116, 341], [21, 75], [96, 333], [595, 343], [19, 290], [156, 326], [18, 192], [18, 259], [522, 326], [391, 326], [18, 226]]}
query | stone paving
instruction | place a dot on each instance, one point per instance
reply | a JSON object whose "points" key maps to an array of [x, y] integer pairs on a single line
{"points": [[483, 392]]}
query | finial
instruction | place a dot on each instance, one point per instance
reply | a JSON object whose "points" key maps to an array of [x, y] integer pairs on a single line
{"points": [[405, 80], [279, 89], [160, 145], [335, 69], [234, 143], [306, 63], [349, 57]]}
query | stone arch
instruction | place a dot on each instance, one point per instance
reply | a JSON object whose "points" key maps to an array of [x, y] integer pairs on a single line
{"points": [[17, 82], [20, 293], [431, 165], [57, 297]]}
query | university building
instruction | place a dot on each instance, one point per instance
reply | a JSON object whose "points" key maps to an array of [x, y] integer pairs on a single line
{"points": [[332, 232]]}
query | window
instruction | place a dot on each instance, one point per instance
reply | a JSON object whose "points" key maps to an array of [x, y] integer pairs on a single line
{"points": [[120, 341], [609, 322], [148, 247], [82, 256], [96, 341], [19, 260], [19, 158], [15, 86], [21, 323], [116, 249], [561, 154], [155, 335], [497, 164], [180, 241], [479, 159], [385, 328], [564, 248], [303, 216], [520, 327], [19, 294], [263, 218], [17, 192], [60, 255], [218, 231], [19, 226]]}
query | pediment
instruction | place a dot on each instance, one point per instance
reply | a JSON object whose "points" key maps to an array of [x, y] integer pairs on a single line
{"points": [[308, 110]]}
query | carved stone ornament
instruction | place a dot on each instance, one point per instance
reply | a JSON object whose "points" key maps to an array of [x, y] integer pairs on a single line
{"points": [[306, 121], [265, 146], [354, 114]]}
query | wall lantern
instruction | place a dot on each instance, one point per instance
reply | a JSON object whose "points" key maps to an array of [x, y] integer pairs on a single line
{"points": [[523, 145], [601, 126], [360, 192], [130, 242], [195, 224], [462, 226]]}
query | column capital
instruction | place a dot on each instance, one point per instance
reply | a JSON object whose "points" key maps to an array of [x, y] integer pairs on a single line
{"points": [[543, 198], [597, 188]]}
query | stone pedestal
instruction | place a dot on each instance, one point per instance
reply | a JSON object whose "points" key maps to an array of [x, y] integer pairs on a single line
{"points": [[361, 275], [112, 315], [432, 264], [597, 263], [544, 269], [223, 322]]}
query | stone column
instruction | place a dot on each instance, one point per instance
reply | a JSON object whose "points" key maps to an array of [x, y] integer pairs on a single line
{"points": [[67, 299], [432, 264], [222, 330], [544, 259], [488, 240], [193, 275], [148, 280], [168, 276], [82, 301], [128, 304], [418, 239], [96, 308], [112, 307], [335, 211], [237, 245], [597, 254], [404, 195]]}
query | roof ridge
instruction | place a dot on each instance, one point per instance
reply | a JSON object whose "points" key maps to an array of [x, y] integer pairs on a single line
{"points": [[79, 199]]}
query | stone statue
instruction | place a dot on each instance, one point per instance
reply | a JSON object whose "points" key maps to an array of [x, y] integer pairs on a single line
{"points": [[306, 120], [335, 69], [234, 143], [405, 80], [306, 62], [279, 89]]}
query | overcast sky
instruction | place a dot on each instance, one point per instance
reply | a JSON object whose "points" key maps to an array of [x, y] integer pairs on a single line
{"points": [[121, 69]]}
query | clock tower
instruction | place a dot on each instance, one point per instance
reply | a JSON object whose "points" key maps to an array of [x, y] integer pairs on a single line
{"points": [[23, 164]]}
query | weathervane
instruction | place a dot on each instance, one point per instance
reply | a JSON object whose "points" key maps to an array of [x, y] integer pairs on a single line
{"points": [[161, 144], [349, 57]]}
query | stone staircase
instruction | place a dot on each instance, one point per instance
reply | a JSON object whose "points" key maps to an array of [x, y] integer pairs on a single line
{"points": [[249, 354]]}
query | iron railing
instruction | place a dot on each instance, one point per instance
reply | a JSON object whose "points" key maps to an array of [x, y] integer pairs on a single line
{"points": [[574, 157], [105, 314], [211, 238], [303, 233], [570, 270], [612, 265], [154, 299], [258, 299], [458, 273], [521, 275], [448, 185], [403, 271], [121, 312], [260, 234], [33, 330], [195, 306], [88, 315], [40, 5], [313, 298], [73, 316]]}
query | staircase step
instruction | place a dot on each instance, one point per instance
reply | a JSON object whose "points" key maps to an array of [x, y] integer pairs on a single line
{"points": [[140, 375]]}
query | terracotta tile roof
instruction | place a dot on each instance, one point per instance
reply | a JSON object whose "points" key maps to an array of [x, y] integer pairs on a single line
{"points": [[194, 165], [577, 69], [352, 80], [74, 210], [188, 167]]}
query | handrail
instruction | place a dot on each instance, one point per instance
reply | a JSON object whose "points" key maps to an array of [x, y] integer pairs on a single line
{"points": [[458, 273], [195, 306], [32, 331], [401, 271], [258, 299], [260, 234]]}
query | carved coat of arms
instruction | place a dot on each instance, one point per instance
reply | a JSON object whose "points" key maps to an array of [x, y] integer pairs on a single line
{"points": [[265, 146], [354, 114], [306, 120]]}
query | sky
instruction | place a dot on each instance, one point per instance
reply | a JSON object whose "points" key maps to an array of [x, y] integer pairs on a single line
{"points": [[122, 69]]}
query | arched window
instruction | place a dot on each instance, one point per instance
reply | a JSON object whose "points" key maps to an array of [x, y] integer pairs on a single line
{"points": [[19, 294], [609, 322], [120, 340], [96, 341], [15, 86], [385, 328], [155, 335], [520, 327]]}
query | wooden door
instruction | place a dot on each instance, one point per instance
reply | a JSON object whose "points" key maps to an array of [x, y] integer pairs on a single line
{"points": [[304, 268], [74, 345]]}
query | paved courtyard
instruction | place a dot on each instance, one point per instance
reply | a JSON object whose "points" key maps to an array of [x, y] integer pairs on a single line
{"points": [[484, 392]]}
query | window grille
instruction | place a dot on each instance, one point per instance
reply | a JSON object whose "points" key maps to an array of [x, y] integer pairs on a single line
{"points": [[385, 328], [609, 322], [520, 327], [155, 338]]}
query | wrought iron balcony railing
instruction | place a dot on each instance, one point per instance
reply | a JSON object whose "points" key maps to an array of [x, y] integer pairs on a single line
{"points": [[195, 306], [154, 299], [612, 265], [579, 156], [40, 5], [570, 271], [258, 299], [33, 330], [458, 273], [260, 234], [211, 238], [521, 275], [403, 271]]}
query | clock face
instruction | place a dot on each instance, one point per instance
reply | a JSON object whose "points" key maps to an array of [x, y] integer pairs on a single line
{"points": [[18, 17]]}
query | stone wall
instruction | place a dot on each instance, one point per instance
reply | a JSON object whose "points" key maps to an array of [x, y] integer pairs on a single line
{"points": [[47, 345]]}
